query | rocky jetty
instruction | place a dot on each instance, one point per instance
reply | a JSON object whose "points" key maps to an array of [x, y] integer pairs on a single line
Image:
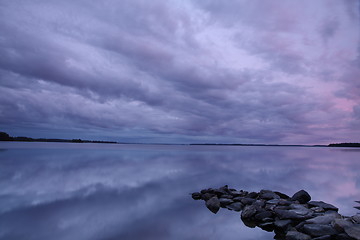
{"points": [[290, 218]]}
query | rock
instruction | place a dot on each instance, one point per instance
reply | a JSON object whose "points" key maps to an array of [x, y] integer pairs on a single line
{"points": [[267, 226], [326, 237], [273, 201], [252, 195], [213, 204], [282, 195], [353, 231], [342, 236], [295, 235], [237, 193], [262, 215], [267, 195], [282, 224], [236, 206], [220, 193], [247, 201], [248, 212], [302, 196], [207, 196], [196, 196], [288, 214], [325, 206], [356, 218], [301, 210], [225, 201], [340, 224], [317, 230], [324, 219]]}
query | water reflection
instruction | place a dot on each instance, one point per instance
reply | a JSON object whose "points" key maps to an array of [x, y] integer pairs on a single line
{"points": [[94, 191]]}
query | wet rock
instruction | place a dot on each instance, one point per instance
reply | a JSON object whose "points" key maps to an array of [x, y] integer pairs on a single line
{"points": [[252, 195], [324, 219], [340, 224], [326, 237], [236, 206], [248, 212], [325, 206], [267, 195], [353, 231], [295, 235], [267, 226], [356, 218], [282, 195], [196, 196], [342, 236], [213, 204], [317, 230], [247, 201], [263, 215], [282, 224], [225, 201], [207, 196], [301, 196], [294, 218]]}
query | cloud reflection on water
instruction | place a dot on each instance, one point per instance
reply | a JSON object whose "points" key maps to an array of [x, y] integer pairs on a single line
{"points": [[142, 192]]}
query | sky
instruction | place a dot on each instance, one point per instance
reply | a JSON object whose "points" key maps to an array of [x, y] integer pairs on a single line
{"points": [[181, 71]]}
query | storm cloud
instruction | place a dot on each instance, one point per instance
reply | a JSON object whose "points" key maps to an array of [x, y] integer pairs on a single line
{"points": [[181, 71]]}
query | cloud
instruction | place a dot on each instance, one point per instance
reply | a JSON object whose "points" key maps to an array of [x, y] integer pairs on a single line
{"points": [[246, 71]]}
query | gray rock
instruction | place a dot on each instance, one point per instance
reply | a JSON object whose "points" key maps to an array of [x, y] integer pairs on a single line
{"points": [[207, 196], [288, 214], [252, 195], [273, 201], [196, 196], [225, 201], [295, 235], [318, 230], [326, 237], [236, 206], [282, 224], [342, 236], [325, 206], [267, 226], [302, 196], [356, 218], [213, 204], [237, 193], [247, 201], [269, 195], [282, 195], [301, 210], [340, 224], [325, 219], [263, 215], [248, 212], [353, 231]]}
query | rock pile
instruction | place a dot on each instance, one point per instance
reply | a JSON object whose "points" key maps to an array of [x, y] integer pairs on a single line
{"points": [[291, 218]]}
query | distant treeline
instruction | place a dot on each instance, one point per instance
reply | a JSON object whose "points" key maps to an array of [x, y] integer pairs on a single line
{"points": [[6, 137], [344, 145]]}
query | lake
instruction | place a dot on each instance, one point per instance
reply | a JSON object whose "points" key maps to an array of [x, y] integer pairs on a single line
{"points": [[112, 191]]}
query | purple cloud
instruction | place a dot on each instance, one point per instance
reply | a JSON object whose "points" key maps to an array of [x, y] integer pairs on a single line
{"points": [[187, 71]]}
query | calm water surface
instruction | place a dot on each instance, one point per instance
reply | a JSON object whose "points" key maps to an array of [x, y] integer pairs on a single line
{"points": [[108, 192]]}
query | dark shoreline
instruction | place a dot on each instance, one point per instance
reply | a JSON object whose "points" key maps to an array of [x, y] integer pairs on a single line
{"points": [[6, 137]]}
